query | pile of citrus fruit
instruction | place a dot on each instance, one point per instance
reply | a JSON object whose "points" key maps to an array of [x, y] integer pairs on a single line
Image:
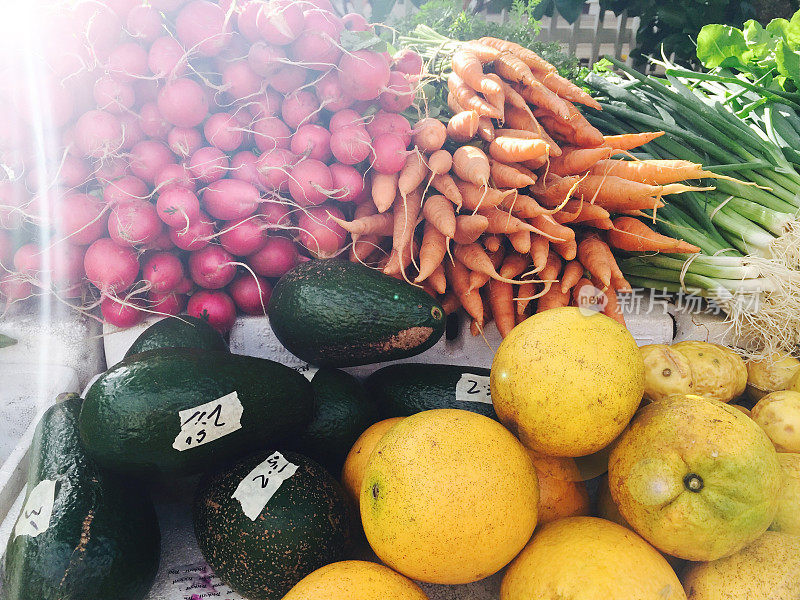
{"points": [[701, 499]]}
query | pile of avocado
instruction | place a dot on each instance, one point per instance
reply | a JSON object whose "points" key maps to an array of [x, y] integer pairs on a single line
{"points": [[268, 443]]}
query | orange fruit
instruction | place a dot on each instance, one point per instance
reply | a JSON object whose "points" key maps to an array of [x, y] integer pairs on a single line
{"points": [[562, 493]]}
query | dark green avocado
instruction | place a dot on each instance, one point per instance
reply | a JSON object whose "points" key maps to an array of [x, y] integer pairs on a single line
{"points": [[343, 412], [179, 332], [302, 527], [405, 389], [102, 539], [341, 314], [183, 410]]}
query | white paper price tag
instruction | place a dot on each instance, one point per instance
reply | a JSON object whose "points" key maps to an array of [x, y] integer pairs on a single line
{"points": [[473, 388], [197, 582], [35, 517], [261, 483], [208, 422], [306, 370]]}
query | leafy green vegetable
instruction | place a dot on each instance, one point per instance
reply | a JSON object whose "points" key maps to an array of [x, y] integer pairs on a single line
{"points": [[722, 46]]}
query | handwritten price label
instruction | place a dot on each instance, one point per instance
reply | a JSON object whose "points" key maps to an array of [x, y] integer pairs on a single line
{"points": [[208, 422], [35, 517], [306, 370], [473, 388], [261, 483]]}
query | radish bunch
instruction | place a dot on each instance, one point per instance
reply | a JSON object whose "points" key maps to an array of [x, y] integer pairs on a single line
{"points": [[194, 152]]}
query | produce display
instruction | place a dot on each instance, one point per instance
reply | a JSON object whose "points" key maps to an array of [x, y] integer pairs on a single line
{"points": [[356, 187]]}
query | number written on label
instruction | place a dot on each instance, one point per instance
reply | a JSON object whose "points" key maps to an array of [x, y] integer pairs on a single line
{"points": [[306, 370], [260, 484], [208, 422], [473, 388], [35, 517]]}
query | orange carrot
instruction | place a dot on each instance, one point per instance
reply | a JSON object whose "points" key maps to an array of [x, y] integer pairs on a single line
{"points": [[653, 172], [463, 126], [501, 301], [405, 220], [478, 280], [618, 281], [437, 279], [429, 134], [566, 89], [512, 150], [445, 185], [458, 277], [552, 228], [537, 163], [525, 293], [574, 161], [508, 176], [612, 308], [603, 223], [556, 128], [518, 118], [585, 299], [521, 241], [586, 135], [453, 104], [515, 99], [474, 257], [450, 303], [540, 249], [577, 211], [440, 162], [486, 129], [431, 252], [537, 94], [518, 133], [552, 190], [471, 164], [484, 53], [438, 211], [412, 174], [552, 298], [469, 228], [503, 222], [492, 88], [596, 257], [468, 67], [384, 190], [492, 243], [615, 193], [399, 260], [474, 197], [629, 141], [567, 250], [634, 236], [514, 264], [380, 224], [363, 245], [468, 99], [573, 271], [531, 59]]}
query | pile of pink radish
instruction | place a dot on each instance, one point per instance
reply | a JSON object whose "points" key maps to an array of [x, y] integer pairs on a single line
{"points": [[191, 152]]}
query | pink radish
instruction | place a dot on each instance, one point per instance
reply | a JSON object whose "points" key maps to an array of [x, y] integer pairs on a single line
{"points": [[65, 267], [81, 219], [364, 74], [230, 199], [121, 7], [317, 46], [98, 133], [250, 294], [310, 182], [110, 267], [203, 28], [167, 6], [178, 207], [134, 223], [355, 22], [388, 122], [111, 169], [345, 118], [15, 287], [127, 188], [275, 215], [223, 131], [167, 58], [320, 234], [168, 303], [194, 237], [121, 314], [185, 286], [183, 102], [240, 81], [161, 243], [152, 122], [288, 78], [280, 21], [348, 183], [271, 133], [74, 172], [144, 23], [300, 107], [331, 94], [146, 90], [399, 94], [209, 164], [267, 104], [274, 167], [113, 96], [28, 259], [148, 159], [215, 307], [389, 153], [184, 141], [350, 145], [265, 60], [127, 61], [175, 176], [247, 21], [163, 270], [409, 62], [244, 236], [212, 267], [277, 257], [312, 141], [132, 132], [6, 250], [244, 167]]}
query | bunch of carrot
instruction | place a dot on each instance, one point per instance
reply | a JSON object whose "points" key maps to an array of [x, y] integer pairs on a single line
{"points": [[529, 206]]}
